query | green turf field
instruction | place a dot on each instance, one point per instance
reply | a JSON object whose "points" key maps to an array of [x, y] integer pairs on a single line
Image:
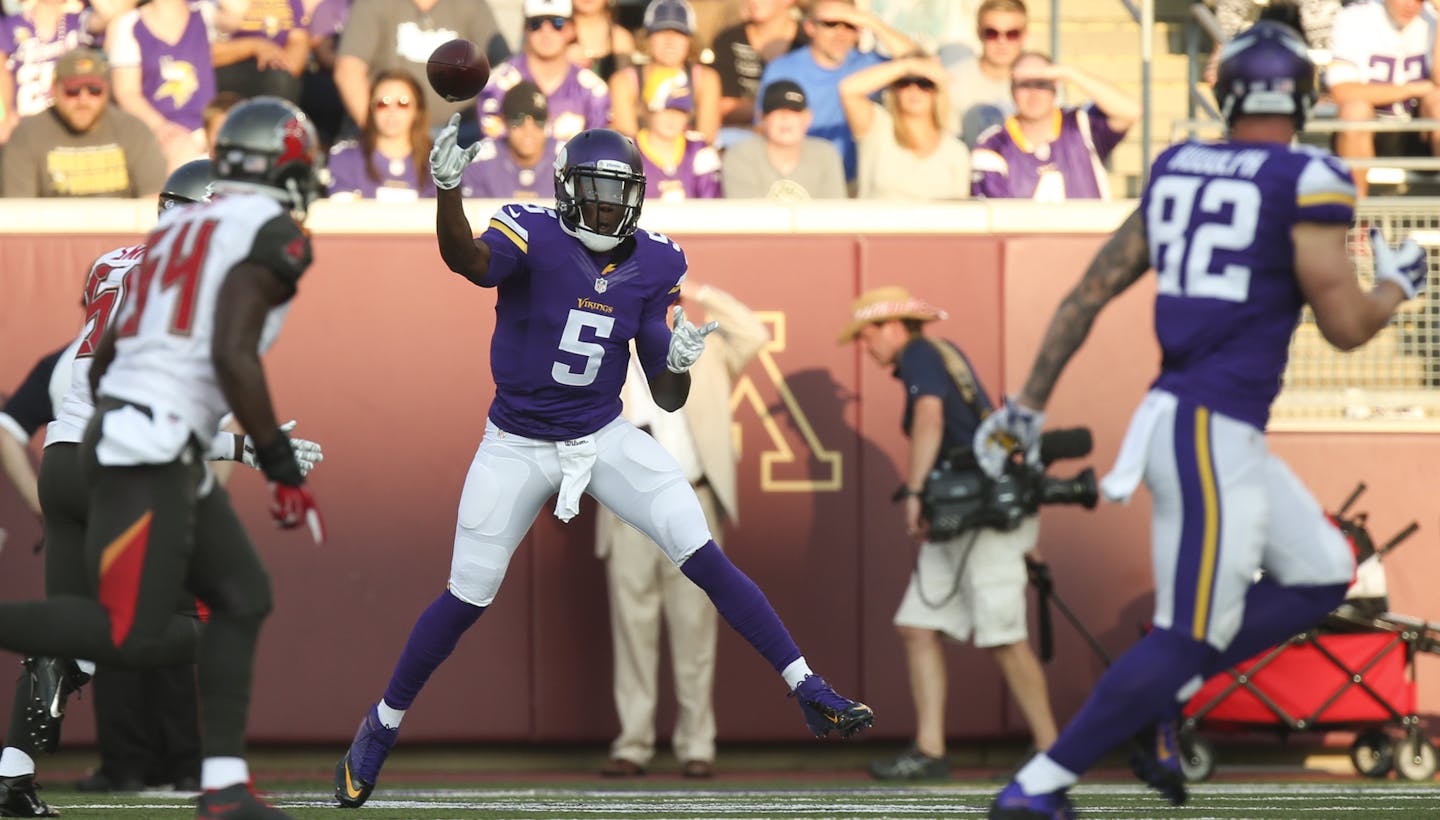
{"points": [[1350, 798]]}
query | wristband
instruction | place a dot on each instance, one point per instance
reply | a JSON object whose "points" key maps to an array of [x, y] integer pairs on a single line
{"points": [[277, 461], [904, 492]]}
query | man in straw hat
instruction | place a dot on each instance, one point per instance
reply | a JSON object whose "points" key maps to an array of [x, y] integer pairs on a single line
{"points": [[972, 585]]}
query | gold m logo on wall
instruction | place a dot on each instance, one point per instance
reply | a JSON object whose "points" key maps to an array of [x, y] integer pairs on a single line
{"points": [[779, 452]]}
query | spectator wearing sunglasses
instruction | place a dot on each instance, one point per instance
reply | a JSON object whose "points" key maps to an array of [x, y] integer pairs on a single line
{"points": [[908, 149], [519, 164], [834, 28], [743, 50], [1047, 152], [31, 41], [980, 84], [83, 145], [576, 97], [669, 26], [385, 34], [389, 162]]}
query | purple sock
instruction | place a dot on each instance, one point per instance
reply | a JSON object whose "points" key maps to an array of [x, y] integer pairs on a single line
{"points": [[741, 603], [432, 639], [1275, 613], [1133, 693]]}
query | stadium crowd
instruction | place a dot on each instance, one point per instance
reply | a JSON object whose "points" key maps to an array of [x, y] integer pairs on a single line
{"points": [[737, 98]]}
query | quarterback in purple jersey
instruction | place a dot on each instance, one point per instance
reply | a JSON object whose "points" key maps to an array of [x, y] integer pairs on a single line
{"points": [[575, 285], [1241, 235]]}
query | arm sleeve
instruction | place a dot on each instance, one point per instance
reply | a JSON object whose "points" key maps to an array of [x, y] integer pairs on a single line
{"points": [[30, 408], [1350, 56], [1325, 192], [989, 174], [283, 248]]}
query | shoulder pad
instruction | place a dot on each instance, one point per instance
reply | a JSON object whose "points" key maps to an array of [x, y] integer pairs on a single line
{"points": [[707, 160], [590, 81], [487, 151]]}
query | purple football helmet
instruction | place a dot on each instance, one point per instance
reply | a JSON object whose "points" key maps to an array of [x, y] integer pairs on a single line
{"points": [[1266, 69], [599, 187]]}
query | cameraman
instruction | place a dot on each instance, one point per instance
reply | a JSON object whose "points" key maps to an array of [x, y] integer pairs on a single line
{"points": [[972, 583]]}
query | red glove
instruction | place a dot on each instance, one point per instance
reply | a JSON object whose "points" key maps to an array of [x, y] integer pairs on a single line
{"points": [[291, 505]]}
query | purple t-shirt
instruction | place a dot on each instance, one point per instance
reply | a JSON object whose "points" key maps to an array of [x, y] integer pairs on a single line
{"points": [[1070, 166], [564, 319], [349, 179], [697, 176], [31, 60], [1218, 218], [328, 18], [581, 101], [178, 80], [495, 175]]}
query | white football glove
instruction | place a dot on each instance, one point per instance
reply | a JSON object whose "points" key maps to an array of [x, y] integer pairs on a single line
{"points": [[447, 159], [1405, 265], [687, 342], [307, 453], [1010, 428]]}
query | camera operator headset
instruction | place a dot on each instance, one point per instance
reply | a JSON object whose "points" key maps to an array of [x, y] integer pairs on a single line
{"points": [[983, 568]]}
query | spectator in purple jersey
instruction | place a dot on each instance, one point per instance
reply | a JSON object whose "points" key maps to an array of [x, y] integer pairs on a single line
{"points": [[518, 164], [577, 97], [678, 164], [266, 53], [1049, 153], [387, 162], [164, 73], [669, 25], [30, 44]]}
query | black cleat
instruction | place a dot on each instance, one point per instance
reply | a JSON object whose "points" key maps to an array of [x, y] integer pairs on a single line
{"points": [[237, 802], [18, 798], [826, 711], [1155, 758], [51, 681]]}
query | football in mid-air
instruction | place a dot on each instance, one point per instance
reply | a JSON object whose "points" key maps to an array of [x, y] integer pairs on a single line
{"points": [[458, 70]]}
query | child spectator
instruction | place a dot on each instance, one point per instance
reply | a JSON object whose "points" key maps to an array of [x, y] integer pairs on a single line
{"points": [[678, 165], [669, 25]]}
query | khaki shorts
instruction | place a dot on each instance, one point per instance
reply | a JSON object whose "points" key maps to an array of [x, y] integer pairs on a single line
{"points": [[972, 584]]}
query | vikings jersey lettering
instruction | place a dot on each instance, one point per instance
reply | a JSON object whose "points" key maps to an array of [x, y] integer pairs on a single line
{"points": [[1218, 218], [1370, 49], [163, 341], [105, 291], [564, 319]]}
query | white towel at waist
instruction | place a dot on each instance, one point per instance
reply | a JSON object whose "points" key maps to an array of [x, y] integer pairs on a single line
{"points": [[577, 459], [1120, 483]]}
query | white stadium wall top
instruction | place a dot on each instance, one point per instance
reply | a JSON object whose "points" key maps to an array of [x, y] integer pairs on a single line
{"points": [[126, 216]]}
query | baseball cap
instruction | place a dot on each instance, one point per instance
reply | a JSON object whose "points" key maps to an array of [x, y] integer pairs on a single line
{"points": [[82, 62], [548, 8], [524, 99], [670, 15], [783, 94], [667, 87]]}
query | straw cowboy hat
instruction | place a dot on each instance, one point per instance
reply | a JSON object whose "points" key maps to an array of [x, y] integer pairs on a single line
{"points": [[884, 304]]}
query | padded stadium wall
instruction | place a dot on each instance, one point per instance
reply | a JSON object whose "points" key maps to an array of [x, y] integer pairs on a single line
{"points": [[384, 360]]}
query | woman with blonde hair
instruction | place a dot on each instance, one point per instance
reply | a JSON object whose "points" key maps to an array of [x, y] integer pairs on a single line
{"points": [[669, 28], [601, 44], [389, 161], [906, 147]]}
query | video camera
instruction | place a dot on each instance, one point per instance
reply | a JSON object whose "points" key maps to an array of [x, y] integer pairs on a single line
{"points": [[959, 496]]}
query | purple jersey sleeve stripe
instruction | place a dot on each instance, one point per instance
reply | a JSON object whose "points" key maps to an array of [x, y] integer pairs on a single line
{"points": [[509, 233]]}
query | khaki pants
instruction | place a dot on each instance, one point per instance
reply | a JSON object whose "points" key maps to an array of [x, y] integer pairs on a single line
{"points": [[643, 584]]}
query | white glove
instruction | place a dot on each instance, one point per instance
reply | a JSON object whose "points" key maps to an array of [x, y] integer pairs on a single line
{"points": [[447, 159], [307, 453], [687, 342], [1405, 265], [1012, 427]]}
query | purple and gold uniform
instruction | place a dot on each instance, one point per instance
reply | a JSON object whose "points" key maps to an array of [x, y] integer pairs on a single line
{"points": [[564, 320], [1228, 298], [496, 175], [397, 182], [1070, 165], [31, 59]]}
